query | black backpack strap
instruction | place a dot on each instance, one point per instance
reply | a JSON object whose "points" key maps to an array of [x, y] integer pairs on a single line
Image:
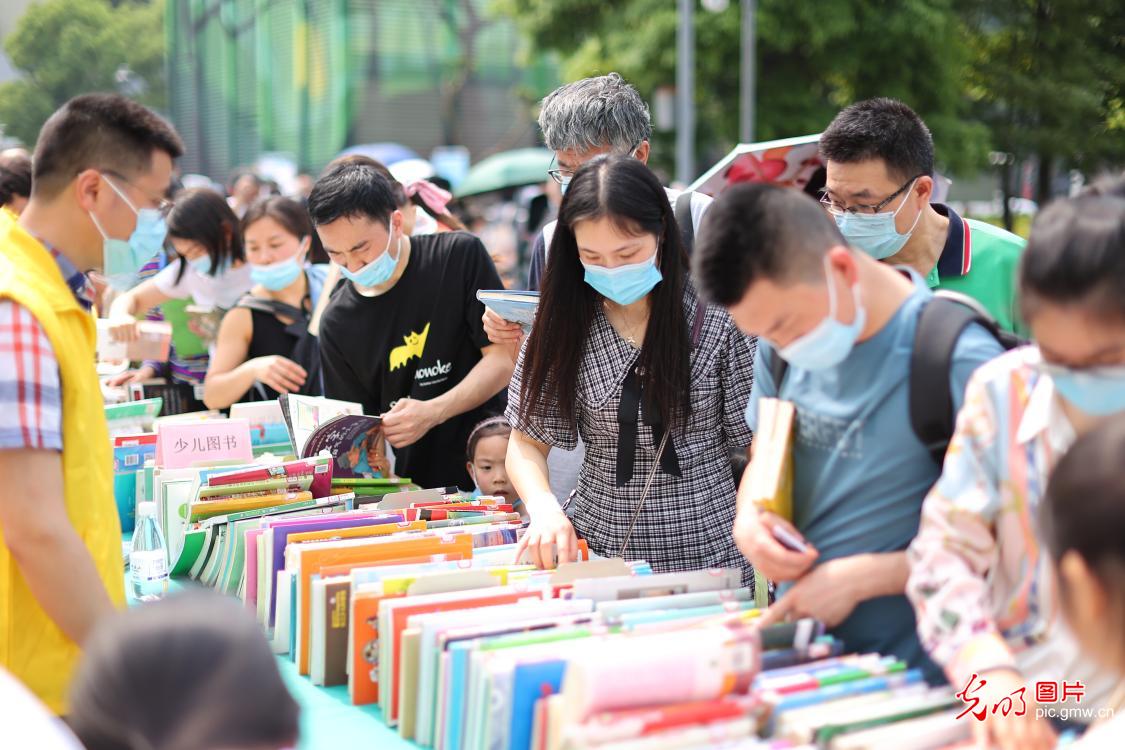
{"points": [[943, 320], [776, 365], [682, 212]]}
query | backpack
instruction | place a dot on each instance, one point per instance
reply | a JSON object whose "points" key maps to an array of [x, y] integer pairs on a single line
{"points": [[940, 325], [306, 352]]}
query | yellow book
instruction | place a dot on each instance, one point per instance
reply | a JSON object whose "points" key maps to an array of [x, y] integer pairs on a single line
{"points": [[770, 485], [201, 509]]}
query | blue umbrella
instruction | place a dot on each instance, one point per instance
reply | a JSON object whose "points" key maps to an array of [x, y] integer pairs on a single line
{"points": [[384, 153]]}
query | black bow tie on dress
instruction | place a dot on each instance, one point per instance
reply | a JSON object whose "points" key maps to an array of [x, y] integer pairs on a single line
{"points": [[627, 411]]}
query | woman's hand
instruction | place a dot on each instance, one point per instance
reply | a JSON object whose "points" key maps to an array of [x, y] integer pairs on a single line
{"points": [[281, 374], [503, 332], [131, 376], [123, 327], [550, 536]]}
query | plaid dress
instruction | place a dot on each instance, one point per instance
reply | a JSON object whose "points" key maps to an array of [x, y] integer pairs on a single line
{"points": [[686, 522]]}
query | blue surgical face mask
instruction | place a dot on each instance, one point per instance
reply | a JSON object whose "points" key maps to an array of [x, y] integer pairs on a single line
{"points": [[876, 234], [201, 264], [123, 259], [831, 341], [1097, 391], [624, 284], [276, 276], [378, 271]]}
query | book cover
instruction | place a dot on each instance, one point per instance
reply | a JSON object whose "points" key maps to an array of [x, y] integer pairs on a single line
{"points": [[356, 444], [514, 306]]}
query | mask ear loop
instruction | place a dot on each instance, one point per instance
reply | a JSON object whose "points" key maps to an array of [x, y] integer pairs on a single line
{"points": [[916, 218], [831, 287]]}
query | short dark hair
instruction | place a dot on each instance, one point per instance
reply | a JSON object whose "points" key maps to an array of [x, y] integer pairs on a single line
{"points": [[99, 131], [352, 188], [883, 129], [190, 671], [292, 216], [15, 176], [1083, 509], [1076, 255], [204, 216], [755, 231]]}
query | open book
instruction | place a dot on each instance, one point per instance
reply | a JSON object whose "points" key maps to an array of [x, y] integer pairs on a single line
{"points": [[354, 440]]}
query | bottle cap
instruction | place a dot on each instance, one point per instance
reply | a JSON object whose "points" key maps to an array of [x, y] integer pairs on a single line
{"points": [[146, 508]]}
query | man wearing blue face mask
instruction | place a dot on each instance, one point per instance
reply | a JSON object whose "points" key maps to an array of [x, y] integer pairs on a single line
{"points": [[102, 164], [403, 336], [845, 324], [880, 166]]}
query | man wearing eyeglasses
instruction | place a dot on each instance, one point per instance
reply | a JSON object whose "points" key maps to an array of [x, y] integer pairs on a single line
{"points": [[101, 166], [581, 120], [880, 163]]}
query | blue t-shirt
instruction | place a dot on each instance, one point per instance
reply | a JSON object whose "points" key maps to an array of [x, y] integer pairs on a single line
{"points": [[860, 473]]}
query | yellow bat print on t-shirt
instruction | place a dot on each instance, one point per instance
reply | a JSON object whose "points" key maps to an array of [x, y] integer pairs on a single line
{"points": [[413, 346]]}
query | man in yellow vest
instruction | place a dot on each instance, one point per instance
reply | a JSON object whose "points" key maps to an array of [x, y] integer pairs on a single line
{"points": [[101, 168]]}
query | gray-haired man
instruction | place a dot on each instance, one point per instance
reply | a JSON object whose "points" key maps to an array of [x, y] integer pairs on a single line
{"points": [[588, 118], [579, 121]]}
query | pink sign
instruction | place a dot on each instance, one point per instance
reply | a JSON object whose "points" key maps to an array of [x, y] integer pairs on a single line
{"points": [[180, 446]]}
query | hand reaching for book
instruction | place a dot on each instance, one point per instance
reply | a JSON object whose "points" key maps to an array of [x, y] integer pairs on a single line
{"points": [[753, 533], [281, 374], [549, 531], [827, 593]]}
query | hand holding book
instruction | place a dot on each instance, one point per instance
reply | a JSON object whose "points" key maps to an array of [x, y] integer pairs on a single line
{"points": [[754, 533]]}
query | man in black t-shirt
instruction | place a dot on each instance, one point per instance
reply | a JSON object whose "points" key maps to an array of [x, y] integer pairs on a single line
{"points": [[403, 335]]}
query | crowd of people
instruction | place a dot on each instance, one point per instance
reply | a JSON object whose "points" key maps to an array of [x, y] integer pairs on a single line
{"points": [[960, 396]]}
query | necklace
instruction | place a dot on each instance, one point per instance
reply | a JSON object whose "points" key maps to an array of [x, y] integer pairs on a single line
{"points": [[630, 335]]}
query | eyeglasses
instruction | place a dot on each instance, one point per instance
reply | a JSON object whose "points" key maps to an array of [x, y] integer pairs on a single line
{"points": [[160, 203], [838, 209], [564, 176]]}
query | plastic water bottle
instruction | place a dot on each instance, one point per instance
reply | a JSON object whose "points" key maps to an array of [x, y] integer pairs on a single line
{"points": [[148, 559]]}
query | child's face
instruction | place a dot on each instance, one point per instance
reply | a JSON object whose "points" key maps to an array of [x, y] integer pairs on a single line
{"points": [[1090, 612], [487, 467]]}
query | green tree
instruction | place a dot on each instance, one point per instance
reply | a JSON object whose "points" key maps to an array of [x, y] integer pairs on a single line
{"points": [[1048, 78], [70, 47], [813, 59]]}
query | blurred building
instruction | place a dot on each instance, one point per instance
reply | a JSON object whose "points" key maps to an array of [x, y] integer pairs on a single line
{"points": [[310, 77]]}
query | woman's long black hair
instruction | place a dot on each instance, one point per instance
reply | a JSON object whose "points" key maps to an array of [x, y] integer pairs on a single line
{"points": [[626, 192]]}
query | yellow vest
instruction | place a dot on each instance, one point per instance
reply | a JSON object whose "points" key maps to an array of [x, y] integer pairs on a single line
{"points": [[32, 647]]}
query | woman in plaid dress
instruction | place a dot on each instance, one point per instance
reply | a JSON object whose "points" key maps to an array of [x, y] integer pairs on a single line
{"points": [[622, 347]]}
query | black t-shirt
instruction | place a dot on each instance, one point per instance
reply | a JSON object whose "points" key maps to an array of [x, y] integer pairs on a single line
{"points": [[418, 340]]}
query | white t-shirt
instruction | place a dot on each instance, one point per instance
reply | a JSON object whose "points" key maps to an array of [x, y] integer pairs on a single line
{"points": [[699, 205], [221, 291]]}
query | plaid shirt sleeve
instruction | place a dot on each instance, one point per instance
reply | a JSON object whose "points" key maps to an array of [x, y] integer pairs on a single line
{"points": [[30, 397]]}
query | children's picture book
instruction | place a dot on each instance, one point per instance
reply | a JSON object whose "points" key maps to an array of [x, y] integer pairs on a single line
{"points": [[354, 440], [515, 306]]}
